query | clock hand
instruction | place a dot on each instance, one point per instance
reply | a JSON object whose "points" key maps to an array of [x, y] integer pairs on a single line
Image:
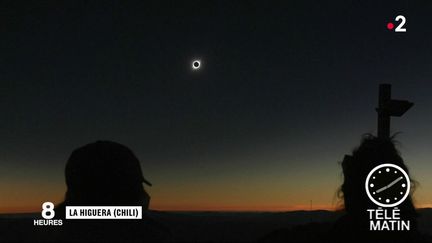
{"points": [[395, 181], [389, 185]]}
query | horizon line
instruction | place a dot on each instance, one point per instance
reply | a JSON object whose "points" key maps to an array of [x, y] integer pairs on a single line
{"points": [[37, 210]]}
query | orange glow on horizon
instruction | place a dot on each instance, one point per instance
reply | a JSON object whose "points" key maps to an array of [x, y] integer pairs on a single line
{"points": [[209, 208], [249, 208], [11, 210]]}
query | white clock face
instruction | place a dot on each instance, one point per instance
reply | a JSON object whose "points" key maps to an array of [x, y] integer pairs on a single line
{"points": [[387, 185]]}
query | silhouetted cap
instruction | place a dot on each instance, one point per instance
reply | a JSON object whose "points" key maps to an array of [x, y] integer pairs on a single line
{"points": [[105, 163]]}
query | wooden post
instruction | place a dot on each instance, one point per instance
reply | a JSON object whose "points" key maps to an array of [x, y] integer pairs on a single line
{"points": [[388, 108], [383, 116]]}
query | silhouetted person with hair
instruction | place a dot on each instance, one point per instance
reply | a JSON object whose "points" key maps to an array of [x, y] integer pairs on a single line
{"points": [[355, 224], [106, 173]]}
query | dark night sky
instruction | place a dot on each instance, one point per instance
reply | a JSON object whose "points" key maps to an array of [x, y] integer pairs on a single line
{"points": [[285, 90]]}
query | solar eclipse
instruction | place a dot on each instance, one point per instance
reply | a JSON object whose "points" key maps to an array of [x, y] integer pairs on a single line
{"points": [[196, 64]]}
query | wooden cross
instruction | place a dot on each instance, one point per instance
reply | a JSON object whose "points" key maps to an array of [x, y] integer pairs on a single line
{"points": [[388, 108]]}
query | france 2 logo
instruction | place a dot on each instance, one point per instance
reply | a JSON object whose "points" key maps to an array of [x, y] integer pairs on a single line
{"points": [[400, 28]]}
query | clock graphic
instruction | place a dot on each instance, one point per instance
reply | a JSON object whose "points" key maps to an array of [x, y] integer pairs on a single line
{"points": [[387, 185]]}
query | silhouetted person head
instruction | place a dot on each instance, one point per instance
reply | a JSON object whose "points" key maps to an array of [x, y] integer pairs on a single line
{"points": [[105, 173], [355, 224], [372, 152]]}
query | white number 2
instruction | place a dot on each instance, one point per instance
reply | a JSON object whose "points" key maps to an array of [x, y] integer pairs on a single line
{"points": [[402, 23]]}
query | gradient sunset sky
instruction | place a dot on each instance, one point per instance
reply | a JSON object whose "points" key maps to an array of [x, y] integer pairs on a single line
{"points": [[285, 90]]}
